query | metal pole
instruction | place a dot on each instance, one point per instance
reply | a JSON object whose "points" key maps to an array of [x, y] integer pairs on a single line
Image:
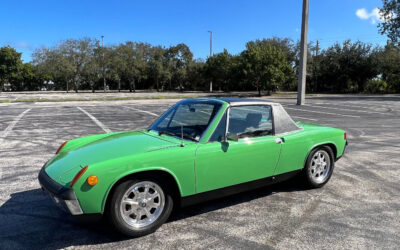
{"points": [[315, 62], [102, 49], [301, 89], [211, 85]]}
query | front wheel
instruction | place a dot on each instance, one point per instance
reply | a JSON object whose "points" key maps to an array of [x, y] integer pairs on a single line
{"points": [[319, 166], [140, 206]]}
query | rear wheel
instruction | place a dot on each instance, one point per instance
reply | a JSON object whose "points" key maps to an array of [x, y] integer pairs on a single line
{"points": [[140, 206], [319, 166]]}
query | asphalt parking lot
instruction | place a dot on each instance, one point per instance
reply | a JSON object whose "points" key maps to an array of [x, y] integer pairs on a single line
{"points": [[359, 208]]}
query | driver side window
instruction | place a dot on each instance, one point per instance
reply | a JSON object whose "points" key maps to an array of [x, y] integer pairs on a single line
{"points": [[250, 121]]}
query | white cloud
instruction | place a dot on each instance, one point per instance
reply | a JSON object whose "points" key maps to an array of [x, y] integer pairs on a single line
{"points": [[23, 45], [373, 16], [20, 45]]}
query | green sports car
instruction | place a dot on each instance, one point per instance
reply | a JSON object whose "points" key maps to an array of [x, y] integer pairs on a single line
{"points": [[199, 149]]}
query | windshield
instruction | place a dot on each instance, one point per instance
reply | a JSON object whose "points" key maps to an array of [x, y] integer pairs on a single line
{"points": [[190, 117]]}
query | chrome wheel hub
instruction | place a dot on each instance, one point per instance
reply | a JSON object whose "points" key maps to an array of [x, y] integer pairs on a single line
{"points": [[319, 166], [142, 204]]}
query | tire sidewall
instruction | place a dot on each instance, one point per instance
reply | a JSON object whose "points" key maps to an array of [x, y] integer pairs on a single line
{"points": [[309, 179], [115, 213]]}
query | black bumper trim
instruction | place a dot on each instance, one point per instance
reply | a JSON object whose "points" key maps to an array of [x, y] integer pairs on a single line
{"points": [[54, 188]]}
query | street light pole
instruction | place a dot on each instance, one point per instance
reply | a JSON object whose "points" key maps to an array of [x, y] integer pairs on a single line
{"points": [[211, 87], [102, 50], [301, 89]]}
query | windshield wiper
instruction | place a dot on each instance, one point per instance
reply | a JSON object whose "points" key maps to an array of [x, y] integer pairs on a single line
{"points": [[166, 132], [255, 133], [187, 136]]}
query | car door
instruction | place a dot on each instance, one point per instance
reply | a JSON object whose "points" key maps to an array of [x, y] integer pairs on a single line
{"points": [[253, 156]]}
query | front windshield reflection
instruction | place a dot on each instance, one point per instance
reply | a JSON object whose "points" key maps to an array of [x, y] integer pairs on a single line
{"points": [[187, 119]]}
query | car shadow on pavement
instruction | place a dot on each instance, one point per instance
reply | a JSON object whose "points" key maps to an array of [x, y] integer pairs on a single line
{"points": [[291, 185], [30, 219]]}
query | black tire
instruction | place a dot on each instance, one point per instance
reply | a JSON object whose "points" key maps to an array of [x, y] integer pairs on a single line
{"points": [[115, 214], [308, 174]]}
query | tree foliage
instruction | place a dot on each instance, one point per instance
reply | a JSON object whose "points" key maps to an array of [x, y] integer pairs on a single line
{"points": [[264, 65], [389, 67], [344, 68], [391, 20], [10, 65]]}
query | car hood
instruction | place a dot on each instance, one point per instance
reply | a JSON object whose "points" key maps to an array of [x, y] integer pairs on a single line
{"points": [[64, 166]]}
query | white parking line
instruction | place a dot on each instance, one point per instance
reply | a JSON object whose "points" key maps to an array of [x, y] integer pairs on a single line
{"points": [[13, 123], [99, 123], [361, 111], [304, 118], [143, 111], [350, 104], [320, 112]]}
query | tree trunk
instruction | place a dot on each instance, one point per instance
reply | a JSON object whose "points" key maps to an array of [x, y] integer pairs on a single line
{"points": [[119, 85], [158, 90], [134, 85]]}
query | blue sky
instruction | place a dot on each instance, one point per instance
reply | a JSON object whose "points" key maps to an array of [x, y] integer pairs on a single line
{"points": [[27, 25]]}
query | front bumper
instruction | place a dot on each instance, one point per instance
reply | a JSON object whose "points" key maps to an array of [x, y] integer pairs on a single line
{"points": [[64, 197]]}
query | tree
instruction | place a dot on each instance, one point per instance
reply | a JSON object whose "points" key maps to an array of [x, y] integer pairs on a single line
{"points": [[26, 79], [264, 66], [51, 64], [289, 49], [93, 69], [10, 65], [389, 61], [133, 62], [219, 69], [179, 59], [391, 20], [347, 67], [156, 66], [78, 53], [195, 75]]}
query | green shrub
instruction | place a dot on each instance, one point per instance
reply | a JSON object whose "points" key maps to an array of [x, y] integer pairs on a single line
{"points": [[376, 86]]}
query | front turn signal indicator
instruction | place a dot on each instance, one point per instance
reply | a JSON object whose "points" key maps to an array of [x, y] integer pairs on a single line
{"points": [[92, 180], [78, 175], [62, 145], [345, 136]]}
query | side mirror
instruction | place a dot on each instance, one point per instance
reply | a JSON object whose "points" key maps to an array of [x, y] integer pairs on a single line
{"points": [[232, 137]]}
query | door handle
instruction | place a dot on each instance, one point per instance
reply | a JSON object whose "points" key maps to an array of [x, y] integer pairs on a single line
{"points": [[279, 140]]}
